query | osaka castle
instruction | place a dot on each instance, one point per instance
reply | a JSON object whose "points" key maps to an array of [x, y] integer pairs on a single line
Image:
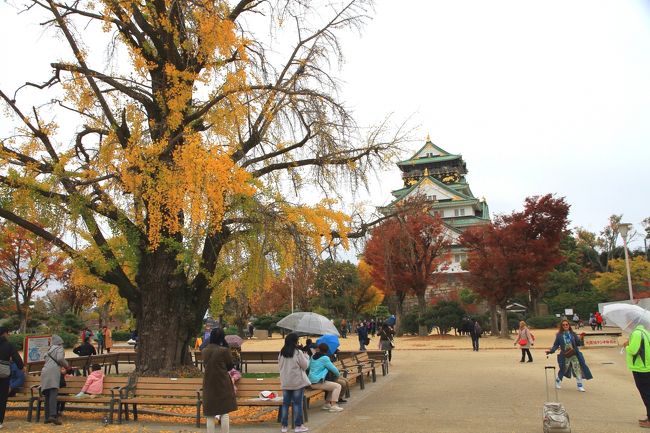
{"points": [[441, 177]]}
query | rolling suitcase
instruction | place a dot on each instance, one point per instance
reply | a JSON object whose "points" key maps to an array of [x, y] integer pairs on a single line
{"points": [[555, 417]]}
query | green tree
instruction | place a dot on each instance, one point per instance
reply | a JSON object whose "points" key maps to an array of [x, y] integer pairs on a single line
{"points": [[335, 285]]}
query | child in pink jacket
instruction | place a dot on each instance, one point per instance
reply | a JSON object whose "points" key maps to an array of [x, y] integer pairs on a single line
{"points": [[94, 383]]}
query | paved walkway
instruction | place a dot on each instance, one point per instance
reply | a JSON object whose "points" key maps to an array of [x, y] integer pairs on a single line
{"points": [[455, 391]]}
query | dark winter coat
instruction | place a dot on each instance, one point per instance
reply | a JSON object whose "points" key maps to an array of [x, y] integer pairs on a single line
{"points": [[218, 391], [362, 333], [561, 361], [85, 349]]}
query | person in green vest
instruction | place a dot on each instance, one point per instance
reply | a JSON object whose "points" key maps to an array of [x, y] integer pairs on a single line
{"points": [[637, 348], [100, 341]]}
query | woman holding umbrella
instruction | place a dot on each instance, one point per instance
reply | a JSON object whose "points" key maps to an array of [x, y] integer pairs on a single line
{"points": [[570, 359]]}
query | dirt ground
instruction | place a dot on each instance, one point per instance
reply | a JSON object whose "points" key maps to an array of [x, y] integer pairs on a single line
{"points": [[437, 384]]}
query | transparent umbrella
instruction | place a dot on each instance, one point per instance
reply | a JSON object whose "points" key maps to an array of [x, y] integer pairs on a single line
{"points": [[627, 316], [308, 323]]}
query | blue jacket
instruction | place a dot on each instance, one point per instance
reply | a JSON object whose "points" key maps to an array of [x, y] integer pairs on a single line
{"points": [[319, 365], [362, 333], [17, 378], [561, 361]]}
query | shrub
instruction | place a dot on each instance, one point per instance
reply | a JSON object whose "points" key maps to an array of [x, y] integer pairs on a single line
{"points": [[231, 330], [542, 322], [17, 340], [69, 339], [121, 335]]}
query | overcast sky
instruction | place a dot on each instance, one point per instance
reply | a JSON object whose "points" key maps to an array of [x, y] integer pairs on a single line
{"points": [[539, 97]]}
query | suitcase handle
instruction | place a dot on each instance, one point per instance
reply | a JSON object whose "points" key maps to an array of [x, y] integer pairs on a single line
{"points": [[546, 368]]}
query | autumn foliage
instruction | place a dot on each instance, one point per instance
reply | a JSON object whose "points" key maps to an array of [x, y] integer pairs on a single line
{"points": [[514, 253], [407, 253]]}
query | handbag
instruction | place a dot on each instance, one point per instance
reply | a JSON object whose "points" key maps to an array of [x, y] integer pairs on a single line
{"points": [[523, 342], [5, 369], [568, 353]]}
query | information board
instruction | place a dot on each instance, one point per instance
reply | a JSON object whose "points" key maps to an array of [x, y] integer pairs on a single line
{"points": [[36, 347]]}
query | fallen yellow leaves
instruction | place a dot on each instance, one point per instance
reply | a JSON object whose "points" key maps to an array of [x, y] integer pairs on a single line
{"points": [[82, 422]]}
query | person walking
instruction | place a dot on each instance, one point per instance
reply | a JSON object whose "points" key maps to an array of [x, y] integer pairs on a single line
{"points": [[475, 333], [525, 340], [218, 390], [362, 334], [599, 321], [637, 349], [386, 340], [8, 355], [319, 367], [293, 364], [100, 342], [592, 321], [108, 338], [54, 367], [570, 360]]}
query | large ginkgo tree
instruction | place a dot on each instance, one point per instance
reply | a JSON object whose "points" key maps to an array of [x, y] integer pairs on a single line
{"points": [[171, 134]]}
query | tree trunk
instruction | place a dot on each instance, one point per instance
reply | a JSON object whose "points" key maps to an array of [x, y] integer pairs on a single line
{"points": [[494, 325], [399, 313], [505, 332], [23, 324], [422, 306], [168, 314]]}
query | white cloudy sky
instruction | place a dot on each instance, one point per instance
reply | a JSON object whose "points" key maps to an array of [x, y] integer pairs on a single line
{"points": [[538, 96]]}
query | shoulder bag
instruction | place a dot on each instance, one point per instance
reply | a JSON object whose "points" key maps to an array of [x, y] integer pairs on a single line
{"points": [[5, 369]]}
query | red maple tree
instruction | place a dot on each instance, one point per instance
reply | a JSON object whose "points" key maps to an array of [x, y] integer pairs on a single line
{"points": [[515, 252], [27, 263], [408, 252]]}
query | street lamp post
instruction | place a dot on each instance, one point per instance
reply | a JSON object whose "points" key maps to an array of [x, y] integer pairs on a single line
{"points": [[624, 230], [645, 242]]}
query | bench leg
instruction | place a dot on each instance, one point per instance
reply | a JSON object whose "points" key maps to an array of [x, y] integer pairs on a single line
{"points": [[111, 409], [198, 413], [305, 405], [119, 413], [374, 374], [117, 367], [126, 412], [135, 412], [38, 410], [362, 381], [30, 410]]}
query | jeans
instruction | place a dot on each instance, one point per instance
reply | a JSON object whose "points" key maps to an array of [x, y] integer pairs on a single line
{"points": [[362, 346], [475, 343], [4, 391], [292, 397]]}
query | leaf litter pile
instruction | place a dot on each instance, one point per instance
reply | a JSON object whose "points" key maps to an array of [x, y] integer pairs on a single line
{"points": [[77, 421]]}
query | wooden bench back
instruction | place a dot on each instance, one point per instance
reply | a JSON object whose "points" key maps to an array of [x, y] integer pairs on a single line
{"points": [[75, 383], [30, 381], [168, 387], [362, 358], [263, 357]]}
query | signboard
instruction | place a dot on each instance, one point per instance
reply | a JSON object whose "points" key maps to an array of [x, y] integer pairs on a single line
{"points": [[36, 347], [568, 312], [601, 339]]}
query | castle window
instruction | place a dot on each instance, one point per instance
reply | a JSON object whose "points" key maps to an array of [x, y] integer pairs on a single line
{"points": [[459, 212]]}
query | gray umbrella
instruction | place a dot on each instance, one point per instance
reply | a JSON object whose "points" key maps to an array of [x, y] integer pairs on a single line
{"points": [[308, 323]]}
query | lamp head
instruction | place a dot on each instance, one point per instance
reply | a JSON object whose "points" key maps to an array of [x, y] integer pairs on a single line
{"points": [[624, 229]]}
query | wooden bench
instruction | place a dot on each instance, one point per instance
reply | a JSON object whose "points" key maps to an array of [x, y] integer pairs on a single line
{"points": [[161, 391], [28, 393], [350, 375], [381, 357], [248, 390], [258, 357], [83, 363], [235, 353], [368, 364], [362, 369], [109, 397]]}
